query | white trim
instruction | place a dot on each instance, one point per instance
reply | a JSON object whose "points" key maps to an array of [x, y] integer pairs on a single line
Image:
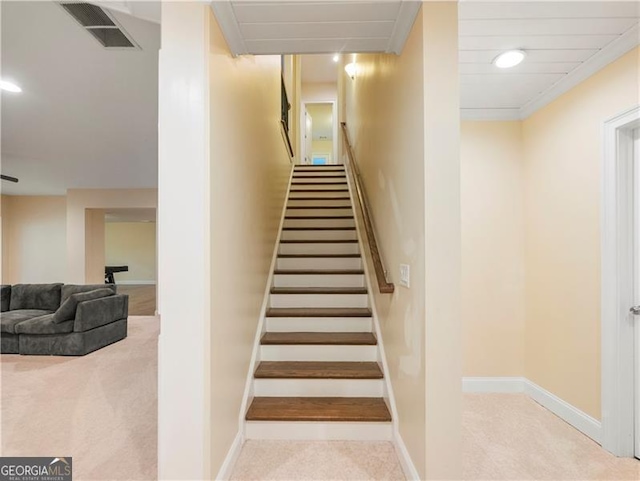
{"points": [[230, 459], [616, 285], [303, 130], [572, 415], [403, 25], [493, 384], [409, 469], [319, 431], [131, 283], [565, 411], [490, 114], [623, 44], [255, 354], [226, 18]]}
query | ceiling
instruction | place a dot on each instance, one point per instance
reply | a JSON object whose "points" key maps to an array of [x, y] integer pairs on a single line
{"points": [[254, 27], [566, 42], [87, 116], [322, 118], [319, 69]]}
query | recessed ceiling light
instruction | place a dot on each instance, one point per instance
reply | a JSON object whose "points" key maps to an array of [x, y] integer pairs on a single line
{"points": [[9, 86], [509, 59], [336, 57]]}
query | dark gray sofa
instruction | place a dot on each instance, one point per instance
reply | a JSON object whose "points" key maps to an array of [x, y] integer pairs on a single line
{"points": [[61, 320]]}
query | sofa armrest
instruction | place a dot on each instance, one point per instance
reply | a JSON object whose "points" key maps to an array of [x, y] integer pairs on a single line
{"points": [[99, 312]]}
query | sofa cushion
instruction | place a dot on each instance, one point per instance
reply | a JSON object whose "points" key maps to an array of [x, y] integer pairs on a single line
{"points": [[67, 311], [9, 319], [35, 296], [44, 325], [5, 297], [69, 289]]}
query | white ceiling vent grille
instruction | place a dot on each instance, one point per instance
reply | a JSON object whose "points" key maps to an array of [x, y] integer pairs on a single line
{"points": [[100, 24]]}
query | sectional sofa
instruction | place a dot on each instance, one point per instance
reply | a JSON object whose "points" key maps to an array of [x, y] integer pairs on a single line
{"points": [[61, 320]]}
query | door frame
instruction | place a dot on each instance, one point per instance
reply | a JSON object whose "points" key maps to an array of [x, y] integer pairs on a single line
{"points": [[618, 324], [334, 116]]}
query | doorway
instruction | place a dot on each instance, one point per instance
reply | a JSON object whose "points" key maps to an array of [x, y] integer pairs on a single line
{"points": [[320, 132], [621, 285]]}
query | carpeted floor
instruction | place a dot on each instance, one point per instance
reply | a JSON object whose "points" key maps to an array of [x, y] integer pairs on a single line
{"points": [[511, 437], [317, 460], [100, 409]]}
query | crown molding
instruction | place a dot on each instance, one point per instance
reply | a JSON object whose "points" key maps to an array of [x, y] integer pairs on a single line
{"points": [[616, 49], [404, 22], [228, 22]]}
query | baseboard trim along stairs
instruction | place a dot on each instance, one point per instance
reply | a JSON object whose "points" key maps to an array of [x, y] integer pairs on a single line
{"points": [[317, 373]]}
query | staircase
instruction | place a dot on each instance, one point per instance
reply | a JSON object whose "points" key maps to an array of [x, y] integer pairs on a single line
{"points": [[319, 375]]}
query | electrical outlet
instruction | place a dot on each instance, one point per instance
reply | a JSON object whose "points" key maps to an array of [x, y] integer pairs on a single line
{"points": [[405, 275]]}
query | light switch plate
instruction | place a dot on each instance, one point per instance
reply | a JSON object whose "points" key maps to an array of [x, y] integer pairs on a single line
{"points": [[405, 275]]}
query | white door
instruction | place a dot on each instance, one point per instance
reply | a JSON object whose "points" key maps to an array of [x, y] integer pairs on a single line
{"points": [[636, 169], [308, 137]]}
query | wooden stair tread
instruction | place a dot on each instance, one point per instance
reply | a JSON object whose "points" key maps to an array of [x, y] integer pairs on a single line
{"points": [[319, 183], [321, 198], [318, 370], [320, 256], [318, 312], [319, 190], [346, 272], [319, 241], [318, 207], [318, 290], [319, 228], [318, 217], [319, 338], [334, 409]]}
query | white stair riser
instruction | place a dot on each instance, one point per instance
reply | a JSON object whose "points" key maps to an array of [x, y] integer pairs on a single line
{"points": [[318, 186], [319, 223], [326, 353], [320, 248], [319, 203], [318, 387], [319, 263], [319, 235], [295, 194], [319, 324], [319, 431], [318, 280], [313, 180], [319, 300], [319, 212]]}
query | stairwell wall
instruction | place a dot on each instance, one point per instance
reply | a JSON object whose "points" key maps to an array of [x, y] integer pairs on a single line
{"points": [[249, 172], [402, 116]]}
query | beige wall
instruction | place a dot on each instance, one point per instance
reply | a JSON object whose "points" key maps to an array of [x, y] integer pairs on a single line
{"points": [[132, 244], [417, 90], [94, 243], [492, 248], [563, 146], [319, 92], [78, 202], [322, 147], [248, 184], [33, 239]]}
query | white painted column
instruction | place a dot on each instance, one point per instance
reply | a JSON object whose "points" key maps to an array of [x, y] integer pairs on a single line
{"points": [[183, 243], [443, 327]]}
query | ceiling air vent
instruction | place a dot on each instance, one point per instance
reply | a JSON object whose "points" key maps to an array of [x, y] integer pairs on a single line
{"points": [[100, 24]]}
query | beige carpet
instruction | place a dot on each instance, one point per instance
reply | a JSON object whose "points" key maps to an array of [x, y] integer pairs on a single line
{"points": [[317, 460], [101, 409], [510, 437]]}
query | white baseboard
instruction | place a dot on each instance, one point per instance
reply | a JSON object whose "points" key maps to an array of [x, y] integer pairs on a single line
{"points": [[131, 283], [230, 460], [565, 411], [319, 431], [572, 415], [409, 469]]}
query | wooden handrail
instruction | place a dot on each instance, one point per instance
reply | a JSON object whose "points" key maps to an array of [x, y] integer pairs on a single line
{"points": [[384, 286]]}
